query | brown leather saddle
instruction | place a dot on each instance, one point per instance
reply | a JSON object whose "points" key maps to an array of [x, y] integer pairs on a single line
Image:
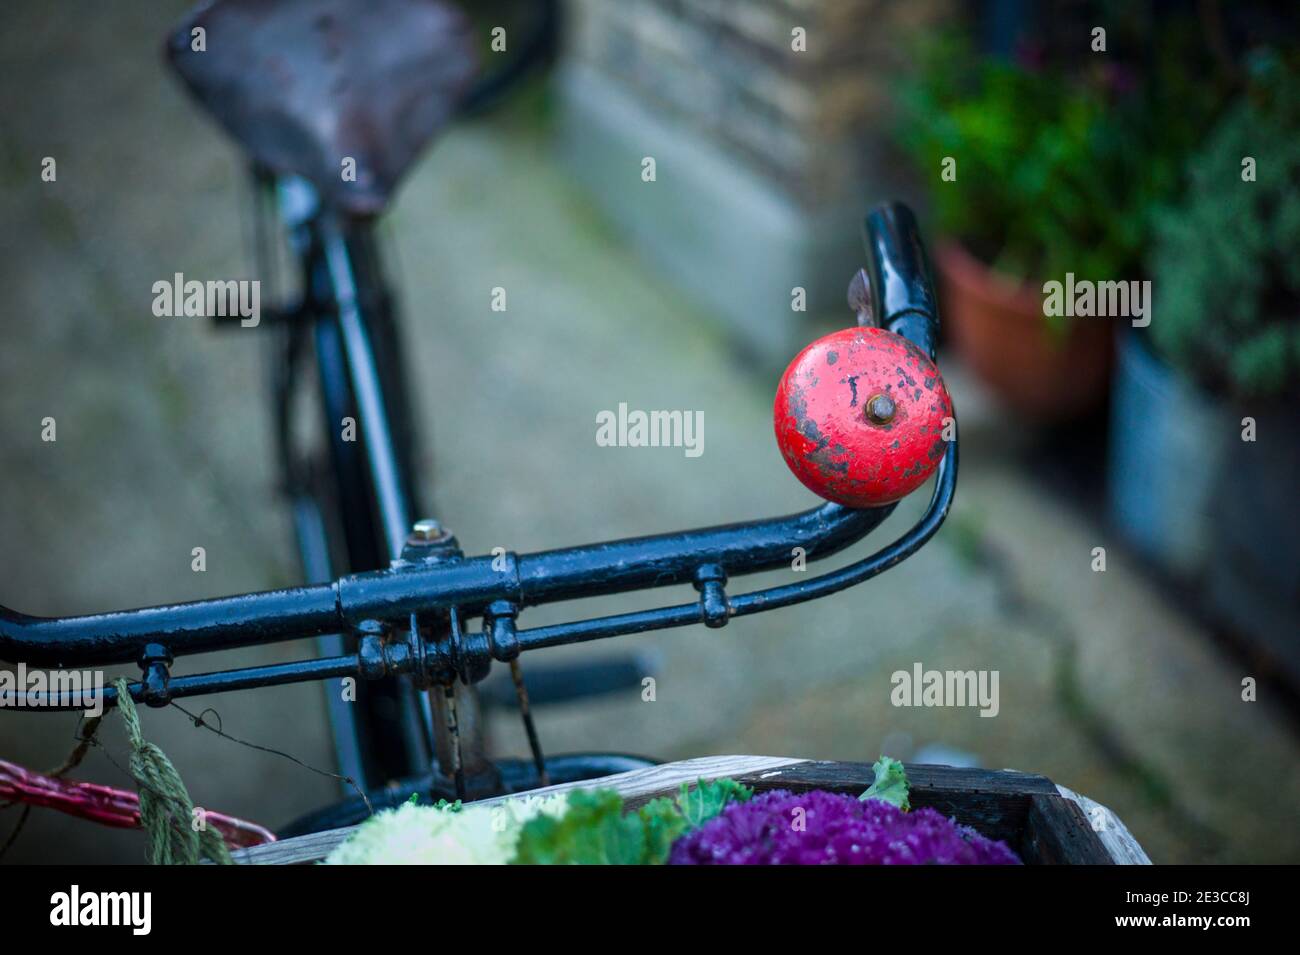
{"points": [[342, 92]]}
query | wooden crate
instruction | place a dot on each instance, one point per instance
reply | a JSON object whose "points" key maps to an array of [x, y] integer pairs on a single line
{"points": [[1045, 824]]}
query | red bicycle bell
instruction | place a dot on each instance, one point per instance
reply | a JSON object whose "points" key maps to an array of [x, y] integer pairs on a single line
{"points": [[860, 417]]}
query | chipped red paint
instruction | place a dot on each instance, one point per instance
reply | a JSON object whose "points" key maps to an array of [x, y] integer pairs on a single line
{"points": [[826, 435]]}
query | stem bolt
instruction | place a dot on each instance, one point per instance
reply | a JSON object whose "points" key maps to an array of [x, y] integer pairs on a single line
{"points": [[426, 530]]}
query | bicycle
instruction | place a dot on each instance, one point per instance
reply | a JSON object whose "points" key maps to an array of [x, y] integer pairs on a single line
{"points": [[388, 597]]}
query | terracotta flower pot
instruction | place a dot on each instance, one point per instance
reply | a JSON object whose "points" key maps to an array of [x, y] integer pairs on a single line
{"points": [[998, 328]]}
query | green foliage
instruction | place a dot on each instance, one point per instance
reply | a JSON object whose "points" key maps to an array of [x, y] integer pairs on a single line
{"points": [[663, 822], [890, 784], [1055, 173], [442, 804], [697, 806], [1227, 260], [594, 830]]}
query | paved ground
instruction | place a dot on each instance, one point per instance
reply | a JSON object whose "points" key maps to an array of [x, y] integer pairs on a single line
{"points": [[163, 446]]}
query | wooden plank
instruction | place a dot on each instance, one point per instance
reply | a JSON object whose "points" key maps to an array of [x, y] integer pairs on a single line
{"points": [[1058, 833], [637, 786], [1110, 829], [993, 802]]}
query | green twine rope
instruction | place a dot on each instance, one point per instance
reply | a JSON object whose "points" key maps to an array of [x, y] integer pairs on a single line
{"points": [[166, 810]]}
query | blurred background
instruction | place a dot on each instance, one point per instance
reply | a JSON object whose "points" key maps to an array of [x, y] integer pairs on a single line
{"points": [[1166, 686]]}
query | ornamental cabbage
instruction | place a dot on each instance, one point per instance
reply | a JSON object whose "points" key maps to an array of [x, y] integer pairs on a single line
{"points": [[595, 830], [445, 834], [821, 828]]}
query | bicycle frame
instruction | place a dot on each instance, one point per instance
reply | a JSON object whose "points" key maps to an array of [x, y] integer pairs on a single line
{"points": [[344, 306], [388, 609]]}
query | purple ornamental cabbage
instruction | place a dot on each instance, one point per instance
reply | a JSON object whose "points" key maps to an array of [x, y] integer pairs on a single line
{"points": [[833, 830]]}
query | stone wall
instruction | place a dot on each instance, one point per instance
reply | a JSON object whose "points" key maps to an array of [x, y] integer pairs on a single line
{"points": [[767, 120], [729, 70]]}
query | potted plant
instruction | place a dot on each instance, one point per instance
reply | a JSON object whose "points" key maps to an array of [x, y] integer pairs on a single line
{"points": [[1038, 175], [1205, 455]]}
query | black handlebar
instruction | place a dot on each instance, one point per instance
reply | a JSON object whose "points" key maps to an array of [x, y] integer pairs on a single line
{"points": [[469, 584], [902, 289]]}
